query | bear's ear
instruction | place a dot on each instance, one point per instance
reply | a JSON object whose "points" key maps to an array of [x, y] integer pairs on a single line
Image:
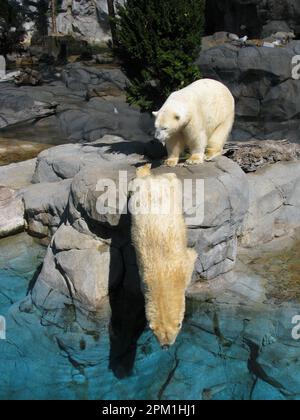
{"points": [[155, 113]]}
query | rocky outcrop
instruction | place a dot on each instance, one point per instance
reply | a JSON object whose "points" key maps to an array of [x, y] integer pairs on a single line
{"points": [[85, 20], [79, 77], [90, 250], [17, 107], [255, 18], [261, 80], [64, 162], [45, 206], [105, 237], [17, 175], [82, 107], [11, 212], [274, 203]]}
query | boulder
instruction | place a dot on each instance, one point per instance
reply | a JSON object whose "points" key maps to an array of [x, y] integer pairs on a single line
{"points": [[78, 76], [45, 205], [261, 80], [88, 104], [11, 212], [16, 106], [86, 20], [274, 203], [255, 18], [80, 267], [64, 162], [17, 175], [213, 225]]}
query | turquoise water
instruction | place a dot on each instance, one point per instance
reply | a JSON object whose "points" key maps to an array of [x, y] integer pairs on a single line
{"points": [[226, 351]]}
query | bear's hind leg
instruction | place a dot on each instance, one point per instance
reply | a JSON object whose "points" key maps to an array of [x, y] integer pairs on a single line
{"points": [[218, 139]]}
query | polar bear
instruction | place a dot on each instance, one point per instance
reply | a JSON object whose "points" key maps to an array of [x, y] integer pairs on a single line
{"points": [[199, 117], [164, 260]]}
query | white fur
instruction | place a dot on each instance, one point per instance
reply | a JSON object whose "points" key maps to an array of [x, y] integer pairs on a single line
{"points": [[199, 117]]}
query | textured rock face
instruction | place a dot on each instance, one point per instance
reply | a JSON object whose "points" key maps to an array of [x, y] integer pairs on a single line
{"points": [[255, 18], [97, 243], [83, 106], [11, 212], [261, 80], [64, 162], [274, 203], [45, 205], [17, 107], [85, 19], [17, 175]]}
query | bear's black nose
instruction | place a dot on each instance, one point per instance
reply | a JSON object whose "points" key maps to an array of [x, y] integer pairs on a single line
{"points": [[165, 347]]}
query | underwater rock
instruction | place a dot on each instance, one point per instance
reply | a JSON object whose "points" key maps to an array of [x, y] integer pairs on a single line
{"points": [[13, 150]]}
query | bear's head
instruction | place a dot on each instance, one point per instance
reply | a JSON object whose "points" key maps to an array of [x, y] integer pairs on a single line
{"points": [[169, 120], [165, 298]]}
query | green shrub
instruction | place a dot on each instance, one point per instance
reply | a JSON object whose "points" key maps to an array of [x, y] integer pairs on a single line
{"points": [[158, 42], [11, 26]]}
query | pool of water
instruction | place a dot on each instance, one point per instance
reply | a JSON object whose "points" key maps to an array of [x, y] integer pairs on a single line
{"points": [[231, 347]]}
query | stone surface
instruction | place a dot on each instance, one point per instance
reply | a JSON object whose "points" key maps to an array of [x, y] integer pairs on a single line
{"points": [[261, 80], [274, 203], [45, 205], [17, 107], [11, 212], [78, 77], [255, 18], [85, 20], [214, 236], [17, 175], [64, 162], [78, 266], [77, 104], [2, 67]]}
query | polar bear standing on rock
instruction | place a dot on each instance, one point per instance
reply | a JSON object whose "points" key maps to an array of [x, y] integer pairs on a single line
{"points": [[164, 260], [199, 117]]}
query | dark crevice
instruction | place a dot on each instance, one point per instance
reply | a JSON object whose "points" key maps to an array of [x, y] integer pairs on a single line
{"points": [[169, 379], [232, 16]]}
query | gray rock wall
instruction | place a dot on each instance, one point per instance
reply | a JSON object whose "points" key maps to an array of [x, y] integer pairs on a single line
{"points": [[255, 18], [85, 19], [261, 80]]}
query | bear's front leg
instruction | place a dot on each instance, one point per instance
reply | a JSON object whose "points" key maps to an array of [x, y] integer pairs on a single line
{"points": [[197, 149], [174, 148]]}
